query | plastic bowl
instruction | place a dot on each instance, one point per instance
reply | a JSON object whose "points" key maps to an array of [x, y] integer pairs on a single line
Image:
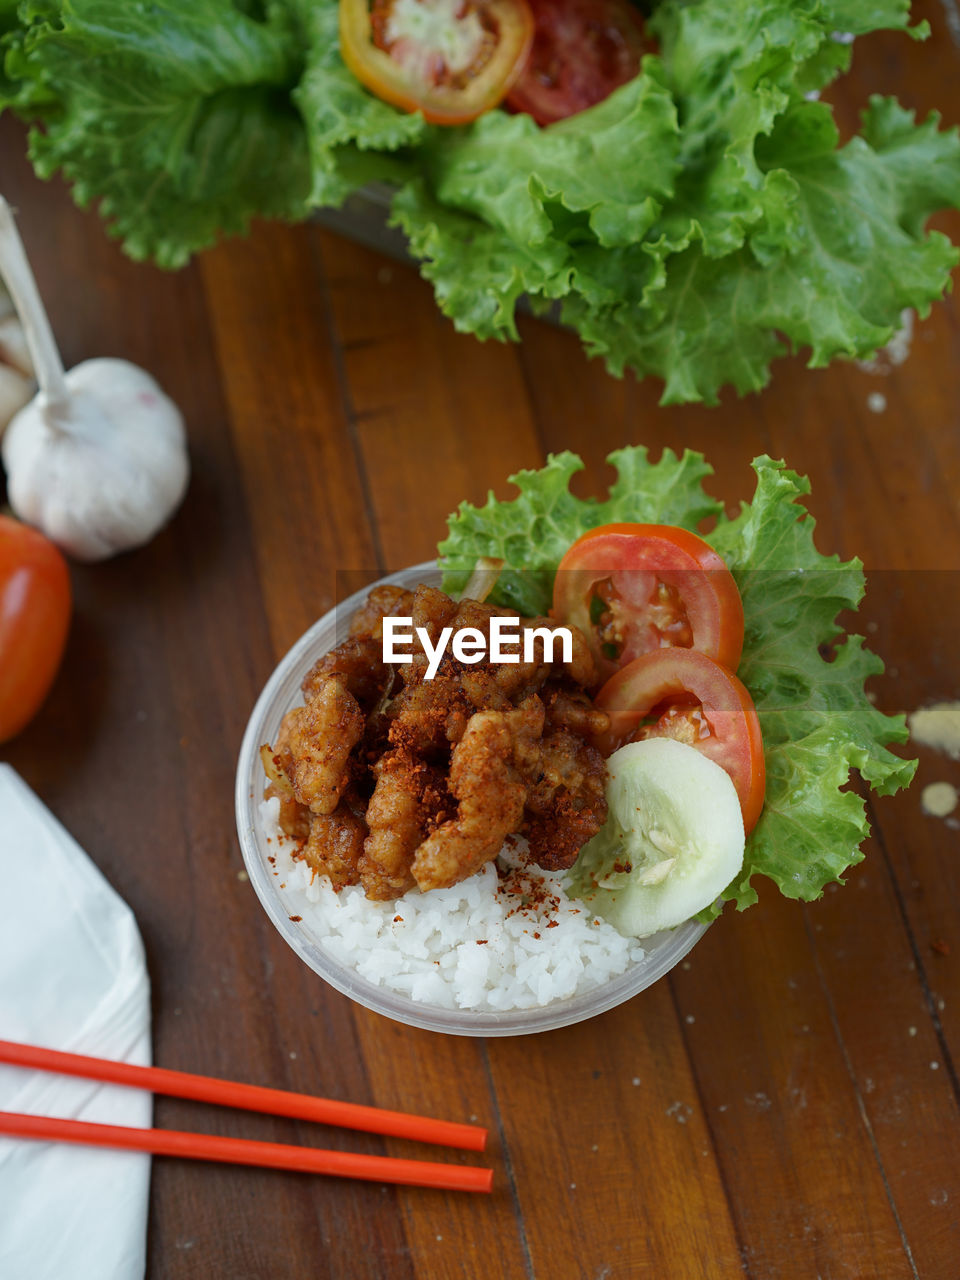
{"points": [[282, 692]]}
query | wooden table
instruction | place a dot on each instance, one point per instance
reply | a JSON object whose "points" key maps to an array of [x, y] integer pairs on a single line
{"points": [[785, 1103]]}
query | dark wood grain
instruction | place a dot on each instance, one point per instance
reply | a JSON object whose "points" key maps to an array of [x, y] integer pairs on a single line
{"points": [[436, 414], [786, 1103]]}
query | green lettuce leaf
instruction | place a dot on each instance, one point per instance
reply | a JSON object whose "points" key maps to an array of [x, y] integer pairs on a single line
{"points": [[531, 533], [816, 720], [752, 232], [612, 164], [341, 117], [818, 725], [694, 226], [477, 272], [840, 254], [174, 116]]}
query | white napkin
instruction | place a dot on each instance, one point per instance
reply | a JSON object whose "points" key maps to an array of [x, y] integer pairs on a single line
{"points": [[72, 977]]}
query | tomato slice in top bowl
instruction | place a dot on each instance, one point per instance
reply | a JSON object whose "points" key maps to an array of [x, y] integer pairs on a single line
{"points": [[582, 51], [635, 588], [450, 59], [683, 694]]}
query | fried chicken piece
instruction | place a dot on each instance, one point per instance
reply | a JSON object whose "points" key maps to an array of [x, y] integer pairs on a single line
{"points": [[375, 741], [334, 846], [282, 753], [492, 686], [565, 802], [407, 801], [526, 726], [360, 661], [294, 818], [433, 611], [429, 717], [320, 737], [499, 684], [396, 780], [490, 793], [367, 622], [581, 668], [572, 709], [556, 839]]}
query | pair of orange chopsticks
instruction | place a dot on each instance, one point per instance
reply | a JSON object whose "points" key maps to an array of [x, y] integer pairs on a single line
{"points": [[250, 1097]]}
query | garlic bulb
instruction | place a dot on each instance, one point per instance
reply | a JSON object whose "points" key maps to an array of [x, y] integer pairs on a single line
{"points": [[97, 460], [13, 343], [15, 391], [16, 371], [108, 474]]}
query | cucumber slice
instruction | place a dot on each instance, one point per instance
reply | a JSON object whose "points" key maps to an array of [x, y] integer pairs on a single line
{"points": [[672, 842]]}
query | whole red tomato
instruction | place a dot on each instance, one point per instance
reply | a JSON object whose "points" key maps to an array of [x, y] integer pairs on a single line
{"points": [[35, 604]]}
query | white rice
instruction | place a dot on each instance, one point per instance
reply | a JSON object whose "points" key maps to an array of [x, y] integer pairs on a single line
{"points": [[494, 942]]}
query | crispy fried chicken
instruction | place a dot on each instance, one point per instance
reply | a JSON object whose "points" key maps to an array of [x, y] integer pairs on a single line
{"points": [[396, 780]]}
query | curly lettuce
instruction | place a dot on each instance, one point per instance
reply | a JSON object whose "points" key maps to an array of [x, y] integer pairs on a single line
{"points": [[805, 676], [700, 222]]}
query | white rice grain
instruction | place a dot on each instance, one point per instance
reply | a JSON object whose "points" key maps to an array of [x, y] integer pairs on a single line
{"points": [[495, 942]]}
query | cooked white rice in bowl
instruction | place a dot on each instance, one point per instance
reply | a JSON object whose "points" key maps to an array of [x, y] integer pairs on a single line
{"points": [[503, 953]]}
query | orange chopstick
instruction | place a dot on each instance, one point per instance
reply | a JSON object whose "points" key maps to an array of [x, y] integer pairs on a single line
{"points": [[249, 1097], [272, 1155]]}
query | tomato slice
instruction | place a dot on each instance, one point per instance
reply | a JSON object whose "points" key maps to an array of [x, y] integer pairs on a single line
{"points": [[633, 588], [450, 59], [683, 694], [582, 50], [34, 620]]}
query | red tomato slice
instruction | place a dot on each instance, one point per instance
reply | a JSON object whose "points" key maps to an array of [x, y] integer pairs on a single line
{"points": [[34, 619], [694, 700], [582, 50], [450, 59], [634, 588]]}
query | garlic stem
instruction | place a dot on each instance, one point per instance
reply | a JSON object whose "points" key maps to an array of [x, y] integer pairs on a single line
{"points": [[18, 275]]}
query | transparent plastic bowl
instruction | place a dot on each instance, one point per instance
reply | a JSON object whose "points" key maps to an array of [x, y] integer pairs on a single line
{"points": [[282, 692]]}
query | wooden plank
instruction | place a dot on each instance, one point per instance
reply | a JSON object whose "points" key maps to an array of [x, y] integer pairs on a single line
{"points": [[792, 416], [776, 1192], [866, 961], [408, 376], [439, 417], [615, 1165], [580, 407], [306, 498], [136, 753], [449, 1235], [825, 1126], [883, 488], [893, 503], [553, 1115], [921, 76], [802, 1171], [896, 1038], [914, 618], [304, 492]]}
